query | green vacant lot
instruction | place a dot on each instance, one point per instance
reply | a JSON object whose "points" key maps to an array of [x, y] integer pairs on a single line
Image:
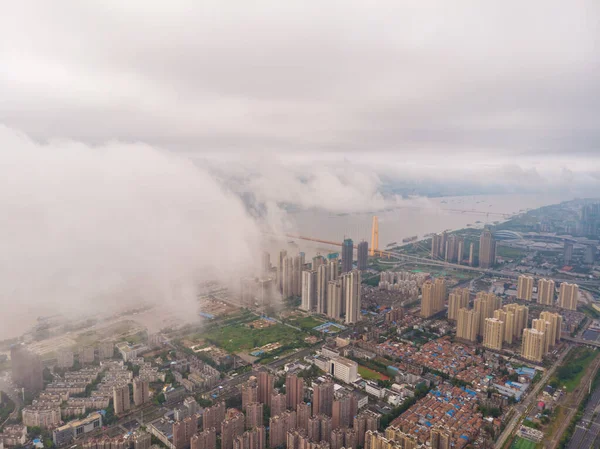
{"points": [[573, 367], [522, 443], [305, 322], [238, 337]]}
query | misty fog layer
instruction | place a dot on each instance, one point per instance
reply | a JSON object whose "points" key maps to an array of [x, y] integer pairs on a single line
{"points": [[88, 228]]}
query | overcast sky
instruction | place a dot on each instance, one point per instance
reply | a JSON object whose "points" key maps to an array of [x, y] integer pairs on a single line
{"points": [[482, 77], [125, 126]]}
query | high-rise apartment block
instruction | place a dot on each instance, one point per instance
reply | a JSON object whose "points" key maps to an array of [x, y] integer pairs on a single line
{"points": [[142, 440], [362, 255], [323, 278], [347, 255], [567, 253], [508, 320], [344, 409], [121, 402], [251, 439], [231, 428], [436, 240], [309, 290], [487, 249], [433, 297], [214, 416], [568, 296], [278, 403], [334, 299], [471, 254], [266, 383], [319, 428], [467, 325], [457, 300], [141, 393], [279, 427], [323, 398], [65, 358], [460, 250], [254, 415], [280, 269], [534, 342], [525, 288], [546, 292], [294, 391], [303, 414], [485, 304], [363, 422], [249, 392], [352, 290], [493, 335], [555, 327], [521, 317], [26, 369], [207, 439]]}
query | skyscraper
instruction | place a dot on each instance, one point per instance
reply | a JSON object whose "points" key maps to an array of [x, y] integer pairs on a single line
{"points": [[427, 301], [278, 403], [298, 267], [567, 253], [287, 275], [280, 274], [546, 328], [206, 439], [521, 317], [323, 277], [493, 334], [362, 255], [525, 288], [452, 248], [460, 249], [294, 391], [546, 292], [26, 369], [435, 246], [555, 321], [508, 320], [323, 398], [533, 345], [471, 254], [309, 290], [249, 392], [303, 413], [487, 249], [266, 383], [458, 299], [334, 269], [352, 291], [121, 402], [334, 299], [254, 415], [231, 428], [485, 304], [265, 264], [467, 325], [140, 391], [318, 261], [568, 296], [213, 416], [347, 255]]}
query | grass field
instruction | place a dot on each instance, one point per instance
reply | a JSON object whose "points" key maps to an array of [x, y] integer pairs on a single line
{"points": [[238, 337], [369, 374], [306, 322], [522, 443], [573, 367]]}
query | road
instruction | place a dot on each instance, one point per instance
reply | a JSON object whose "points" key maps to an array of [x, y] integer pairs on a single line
{"points": [[587, 430], [8, 387], [524, 406]]}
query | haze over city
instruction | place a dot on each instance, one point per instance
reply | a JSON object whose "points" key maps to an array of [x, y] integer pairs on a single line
{"points": [[241, 190]]}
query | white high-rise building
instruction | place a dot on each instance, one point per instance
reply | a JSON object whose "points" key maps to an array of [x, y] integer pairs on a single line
{"points": [[323, 277], [352, 291], [309, 290]]}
